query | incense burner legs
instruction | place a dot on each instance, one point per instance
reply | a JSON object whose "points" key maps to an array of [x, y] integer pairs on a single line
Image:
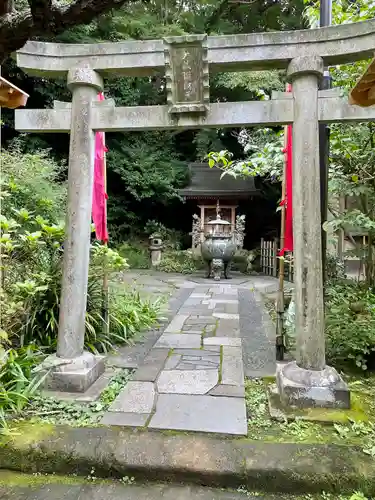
{"points": [[217, 267]]}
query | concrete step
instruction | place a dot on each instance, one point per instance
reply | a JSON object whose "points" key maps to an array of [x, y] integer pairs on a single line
{"points": [[31, 487], [189, 459]]}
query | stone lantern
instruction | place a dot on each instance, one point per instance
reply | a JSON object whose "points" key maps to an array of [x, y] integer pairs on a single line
{"points": [[155, 246]]}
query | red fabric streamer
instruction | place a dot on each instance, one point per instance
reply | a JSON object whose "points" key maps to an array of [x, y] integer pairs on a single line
{"points": [[288, 200], [99, 198]]}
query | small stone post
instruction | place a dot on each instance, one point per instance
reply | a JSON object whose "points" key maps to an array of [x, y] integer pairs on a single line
{"points": [[76, 369], [308, 382]]}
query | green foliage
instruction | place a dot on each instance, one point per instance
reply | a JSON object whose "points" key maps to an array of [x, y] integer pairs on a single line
{"points": [[53, 411], [350, 325], [136, 254], [178, 261], [171, 238], [30, 279], [264, 148], [17, 381], [30, 184]]}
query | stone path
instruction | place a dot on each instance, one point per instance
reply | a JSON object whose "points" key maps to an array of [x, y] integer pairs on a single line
{"points": [[190, 377]]}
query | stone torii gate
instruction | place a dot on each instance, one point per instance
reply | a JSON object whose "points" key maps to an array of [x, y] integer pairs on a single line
{"points": [[186, 62]]}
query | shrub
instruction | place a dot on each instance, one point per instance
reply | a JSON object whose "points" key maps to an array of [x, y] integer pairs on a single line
{"points": [[179, 261], [172, 239], [136, 254], [350, 325], [17, 382], [31, 238]]}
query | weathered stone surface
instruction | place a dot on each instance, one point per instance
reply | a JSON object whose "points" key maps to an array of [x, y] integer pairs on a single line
{"points": [[232, 367], [178, 340], [152, 366], [92, 393], [231, 391], [136, 397], [220, 301], [274, 467], [311, 388], [257, 333], [336, 44], [132, 356], [74, 374], [177, 323], [227, 341], [212, 348], [54, 490], [206, 320], [125, 419], [172, 361], [190, 310], [220, 315], [190, 330], [187, 381], [200, 413], [206, 366], [84, 84], [228, 328], [308, 276], [189, 352]]}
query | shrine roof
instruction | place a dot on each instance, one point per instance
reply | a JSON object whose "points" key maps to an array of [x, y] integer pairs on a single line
{"points": [[363, 94], [10, 95], [206, 182]]}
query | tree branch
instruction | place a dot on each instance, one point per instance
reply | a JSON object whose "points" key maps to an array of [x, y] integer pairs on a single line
{"points": [[45, 18], [40, 12]]}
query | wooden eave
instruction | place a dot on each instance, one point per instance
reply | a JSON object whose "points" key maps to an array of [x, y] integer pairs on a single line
{"points": [[363, 94], [11, 96]]}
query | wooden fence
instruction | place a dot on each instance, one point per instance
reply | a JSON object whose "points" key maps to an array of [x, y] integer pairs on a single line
{"points": [[269, 260]]}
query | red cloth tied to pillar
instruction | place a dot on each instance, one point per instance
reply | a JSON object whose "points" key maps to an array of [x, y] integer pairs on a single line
{"points": [[99, 197], [288, 200]]}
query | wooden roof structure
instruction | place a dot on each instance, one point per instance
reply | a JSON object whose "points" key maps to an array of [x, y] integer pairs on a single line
{"points": [[206, 182], [11, 96], [363, 94]]}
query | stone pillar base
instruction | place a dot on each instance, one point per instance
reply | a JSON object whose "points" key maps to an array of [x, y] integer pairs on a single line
{"points": [[302, 388], [72, 375]]}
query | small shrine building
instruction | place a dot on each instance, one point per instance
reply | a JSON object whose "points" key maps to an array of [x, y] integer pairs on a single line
{"points": [[207, 190]]}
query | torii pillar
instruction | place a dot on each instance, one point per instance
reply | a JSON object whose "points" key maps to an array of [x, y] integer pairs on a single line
{"points": [[308, 381], [75, 370]]}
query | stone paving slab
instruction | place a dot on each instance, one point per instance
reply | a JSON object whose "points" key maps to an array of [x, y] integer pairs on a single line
{"points": [[232, 367], [125, 419], [221, 315], [177, 323], [153, 364], [186, 382], [231, 391], [227, 341], [212, 414], [258, 336], [136, 397], [178, 340]]}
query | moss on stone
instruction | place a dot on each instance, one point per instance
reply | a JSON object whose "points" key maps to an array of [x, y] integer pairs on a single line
{"points": [[23, 434], [310, 426], [11, 479]]}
